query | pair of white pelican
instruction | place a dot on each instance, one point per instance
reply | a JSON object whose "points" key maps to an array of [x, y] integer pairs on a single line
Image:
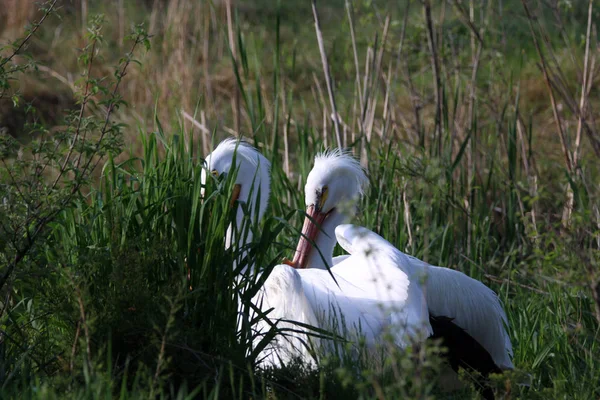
{"points": [[375, 288]]}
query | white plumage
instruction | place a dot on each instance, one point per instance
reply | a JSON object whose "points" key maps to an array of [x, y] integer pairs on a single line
{"points": [[332, 189], [374, 289], [370, 296], [474, 307], [251, 168], [367, 295]]}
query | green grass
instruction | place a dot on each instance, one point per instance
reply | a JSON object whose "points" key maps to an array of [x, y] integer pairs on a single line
{"points": [[101, 307]]}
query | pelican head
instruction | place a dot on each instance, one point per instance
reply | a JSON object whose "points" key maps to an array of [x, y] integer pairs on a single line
{"points": [[333, 187], [252, 182]]}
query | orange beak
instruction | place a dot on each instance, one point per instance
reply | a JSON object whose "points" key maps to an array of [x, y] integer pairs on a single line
{"points": [[235, 195], [312, 225]]}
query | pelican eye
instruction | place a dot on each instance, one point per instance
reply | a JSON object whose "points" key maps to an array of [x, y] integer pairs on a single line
{"points": [[323, 197]]}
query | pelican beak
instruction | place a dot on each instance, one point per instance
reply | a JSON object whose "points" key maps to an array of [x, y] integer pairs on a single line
{"points": [[235, 195], [289, 262], [312, 225]]}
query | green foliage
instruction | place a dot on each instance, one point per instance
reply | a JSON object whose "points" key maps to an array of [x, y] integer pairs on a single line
{"points": [[116, 283]]}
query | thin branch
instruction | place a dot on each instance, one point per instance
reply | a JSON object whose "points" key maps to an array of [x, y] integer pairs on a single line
{"points": [[354, 51], [376, 76], [194, 122], [504, 280], [111, 105], [14, 182], [232, 47], [32, 32], [583, 100], [436, 72], [41, 222], [63, 168], [467, 20], [74, 348], [561, 133], [83, 106], [336, 123], [85, 327]]}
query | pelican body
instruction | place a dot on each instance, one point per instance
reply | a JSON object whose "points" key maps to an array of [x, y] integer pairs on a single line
{"points": [[373, 290], [366, 297], [461, 309]]}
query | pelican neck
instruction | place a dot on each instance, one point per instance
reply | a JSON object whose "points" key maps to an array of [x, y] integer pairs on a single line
{"points": [[326, 241]]}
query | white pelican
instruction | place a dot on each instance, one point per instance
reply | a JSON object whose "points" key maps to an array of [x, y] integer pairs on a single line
{"points": [[282, 295], [359, 299], [252, 184], [456, 302]]}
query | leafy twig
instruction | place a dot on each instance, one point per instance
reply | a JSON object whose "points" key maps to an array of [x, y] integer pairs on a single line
{"points": [[36, 26]]}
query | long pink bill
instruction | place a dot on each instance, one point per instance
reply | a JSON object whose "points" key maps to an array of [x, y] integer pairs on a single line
{"points": [[310, 230]]}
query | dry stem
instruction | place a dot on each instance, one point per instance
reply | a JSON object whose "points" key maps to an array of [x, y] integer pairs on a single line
{"points": [[326, 72]]}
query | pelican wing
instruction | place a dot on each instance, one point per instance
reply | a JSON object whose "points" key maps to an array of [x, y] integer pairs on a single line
{"points": [[283, 294], [344, 307], [374, 267], [472, 305]]}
